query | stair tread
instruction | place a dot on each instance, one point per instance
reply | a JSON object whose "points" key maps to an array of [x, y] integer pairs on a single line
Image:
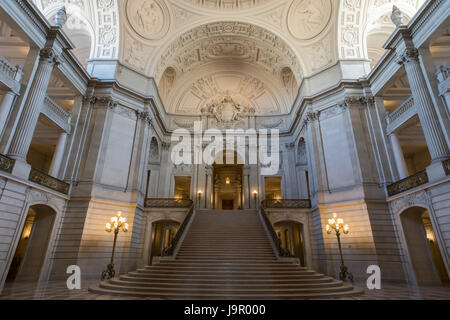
{"points": [[225, 255]]}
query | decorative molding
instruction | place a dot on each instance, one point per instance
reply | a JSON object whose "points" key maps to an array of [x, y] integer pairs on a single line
{"points": [[6, 164], [409, 183], [168, 203], [421, 199], [45, 180]]}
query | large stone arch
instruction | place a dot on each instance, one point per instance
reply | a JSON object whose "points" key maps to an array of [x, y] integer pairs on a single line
{"points": [[102, 17], [355, 15]]}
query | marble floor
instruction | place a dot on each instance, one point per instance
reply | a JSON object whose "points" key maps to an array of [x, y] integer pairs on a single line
{"points": [[59, 291]]}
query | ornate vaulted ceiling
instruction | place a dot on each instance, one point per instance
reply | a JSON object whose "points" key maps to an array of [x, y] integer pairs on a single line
{"points": [[257, 51]]}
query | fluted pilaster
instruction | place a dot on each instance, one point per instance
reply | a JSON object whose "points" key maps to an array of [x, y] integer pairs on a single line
{"points": [[32, 107], [434, 136]]}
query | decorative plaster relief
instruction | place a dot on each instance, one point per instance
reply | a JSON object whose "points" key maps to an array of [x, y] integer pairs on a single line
{"points": [[308, 18], [149, 18], [227, 4]]}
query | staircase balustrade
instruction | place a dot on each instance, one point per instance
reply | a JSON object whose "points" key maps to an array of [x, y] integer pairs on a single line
{"points": [[275, 239], [168, 203], [287, 203], [171, 248]]}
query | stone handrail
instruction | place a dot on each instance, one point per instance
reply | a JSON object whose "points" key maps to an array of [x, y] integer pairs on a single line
{"points": [[171, 249], [57, 114], [275, 239], [168, 203], [397, 113], [6, 164], [11, 71], [409, 183], [45, 180], [287, 203]]}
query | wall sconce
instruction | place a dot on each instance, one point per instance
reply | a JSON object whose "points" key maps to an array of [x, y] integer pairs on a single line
{"points": [[227, 180], [117, 223], [337, 225]]}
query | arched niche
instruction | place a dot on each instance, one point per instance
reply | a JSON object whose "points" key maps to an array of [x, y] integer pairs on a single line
{"points": [[302, 156], [166, 83], [154, 156], [289, 82]]}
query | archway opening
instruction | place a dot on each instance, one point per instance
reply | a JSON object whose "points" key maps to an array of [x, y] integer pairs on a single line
{"points": [[272, 186], [29, 258], [163, 233], [292, 238], [228, 183], [425, 254]]}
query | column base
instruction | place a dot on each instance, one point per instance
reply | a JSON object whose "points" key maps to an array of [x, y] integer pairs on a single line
{"points": [[21, 169], [436, 171]]}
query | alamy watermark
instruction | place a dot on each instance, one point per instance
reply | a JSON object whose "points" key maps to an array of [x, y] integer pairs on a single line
{"points": [[263, 147]]}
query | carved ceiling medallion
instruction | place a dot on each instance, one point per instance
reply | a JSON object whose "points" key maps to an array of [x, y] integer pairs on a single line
{"points": [[148, 18], [309, 18]]}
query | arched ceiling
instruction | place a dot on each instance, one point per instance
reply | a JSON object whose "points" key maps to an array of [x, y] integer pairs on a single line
{"points": [[233, 40]]}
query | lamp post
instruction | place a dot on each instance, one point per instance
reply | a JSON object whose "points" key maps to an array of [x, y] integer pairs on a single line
{"points": [[337, 224], [117, 223], [255, 196]]}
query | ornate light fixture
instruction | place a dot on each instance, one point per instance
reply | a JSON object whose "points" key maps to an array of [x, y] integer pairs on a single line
{"points": [[337, 224], [255, 196], [117, 223], [227, 180]]}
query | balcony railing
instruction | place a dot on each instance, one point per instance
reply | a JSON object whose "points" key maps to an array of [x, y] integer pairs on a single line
{"points": [[6, 164], [45, 180], [409, 183], [57, 114], [168, 203], [447, 167], [287, 204], [12, 72]]}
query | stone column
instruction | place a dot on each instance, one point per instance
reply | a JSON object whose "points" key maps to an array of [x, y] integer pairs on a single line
{"points": [[31, 110], [58, 155], [208, 191], [399, 157], [246, 186], [5, 107], [434, 136]]}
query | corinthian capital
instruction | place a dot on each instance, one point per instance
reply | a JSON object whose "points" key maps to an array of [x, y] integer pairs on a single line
{"points": [[408, 56], [49, 55]]}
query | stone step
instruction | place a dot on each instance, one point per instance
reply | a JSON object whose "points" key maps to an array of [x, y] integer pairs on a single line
{"points": [[225, 255], [230, 286], [218, 281], [321, 293]]}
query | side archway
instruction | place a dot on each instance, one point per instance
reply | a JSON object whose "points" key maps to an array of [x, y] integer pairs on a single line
{"points": [[424, 253]]}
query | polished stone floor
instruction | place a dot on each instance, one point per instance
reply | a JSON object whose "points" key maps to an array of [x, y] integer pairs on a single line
{"points": [[59, 291]]}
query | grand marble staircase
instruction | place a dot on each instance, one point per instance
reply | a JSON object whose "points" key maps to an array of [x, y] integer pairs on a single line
{"points": [[225, 255]]}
